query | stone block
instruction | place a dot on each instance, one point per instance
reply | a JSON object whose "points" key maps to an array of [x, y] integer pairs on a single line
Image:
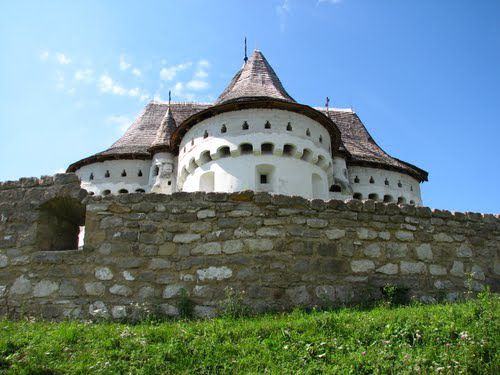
{"points": [[128, 276], [404, 235], [232, 247], [256, 244], [396, 250], [120, 290], [317, 223], [443, 237], [186, 237], [159, 264], [168, 248], [366, 234], [172, 291], [424, 252], [464, 251], [457, 269], [103, 273], [205, 312], [437, 270], [145, 293], [373, 251], [269, 232], [22, 285], [477, 273], [3, 260], [408, 268], [214, 273], [299, 295], [386, 236], [361, 266], [45, 288], [95, 288], [209, 248], [388, 269], [119, 312], [98, 310], [335, 234]]}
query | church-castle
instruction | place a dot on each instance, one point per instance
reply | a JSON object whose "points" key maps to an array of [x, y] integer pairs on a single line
{"points": [[254, 137]]}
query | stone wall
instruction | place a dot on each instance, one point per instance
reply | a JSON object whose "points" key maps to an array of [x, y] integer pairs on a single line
{"points": [[143, 249]]}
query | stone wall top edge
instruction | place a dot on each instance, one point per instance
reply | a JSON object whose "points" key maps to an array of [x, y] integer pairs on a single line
{"points": [[42, 181], [262, 198]]}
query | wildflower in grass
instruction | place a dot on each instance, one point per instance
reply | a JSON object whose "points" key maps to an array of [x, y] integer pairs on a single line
{"points": [[363, 353]]}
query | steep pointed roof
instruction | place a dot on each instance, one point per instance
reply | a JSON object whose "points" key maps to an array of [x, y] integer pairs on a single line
{"points": [[165, 130], [255, 79]]}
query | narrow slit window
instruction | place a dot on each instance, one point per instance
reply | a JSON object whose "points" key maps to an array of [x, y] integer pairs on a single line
{"points": [[139, 173], [124, 173], [157, 170], [289, 127], [223, 129], [267, 125], [356, 180], [244, 126], [107, 174], [91, 177], [372, 181], [308, 132], [205, 135]]}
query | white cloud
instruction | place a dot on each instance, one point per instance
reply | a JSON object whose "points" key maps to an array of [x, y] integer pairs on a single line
{"points": [[200, 74], [282, 12], [121, 122], [203, 63], [107, 85], [62, 58], [124, 65], [169, 73], [197, 85], [136, 72], [84, 75], [44, 55]]}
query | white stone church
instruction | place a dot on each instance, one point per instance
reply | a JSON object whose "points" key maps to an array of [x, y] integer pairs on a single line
{"points": [[254, 137]]}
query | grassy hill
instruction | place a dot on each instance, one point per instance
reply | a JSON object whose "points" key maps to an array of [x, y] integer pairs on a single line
{"points": [[446, 338]]}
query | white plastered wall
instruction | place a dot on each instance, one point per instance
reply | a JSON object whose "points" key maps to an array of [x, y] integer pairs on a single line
{"points": [[409, 190], [235, 172]]}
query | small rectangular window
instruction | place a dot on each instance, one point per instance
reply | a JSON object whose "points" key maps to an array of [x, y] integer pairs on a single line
{"points": [[263, 178], [169, 183]]}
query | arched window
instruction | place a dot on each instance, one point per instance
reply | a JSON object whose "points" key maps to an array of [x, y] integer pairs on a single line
{"points": [[267, 148], [308, 132], [139, 173], [106, 192], [358, 196], [124, 173], [244, 126], [306, 154], [123, 191], [335, 189], [320, 139], [205, 157], [386, 182], [156, 170], [289, 127], [320, 161], [317, 186], [205, 135], [91, 177], [140, 190], [372, 181], [267, 125], [401, 200], [388, 198], [192, 142], [373, 196], [223, 128], [107, 174], [288, 150], [356, 180], [411, 188], [400, 184], [246, 148], [224, 152]]}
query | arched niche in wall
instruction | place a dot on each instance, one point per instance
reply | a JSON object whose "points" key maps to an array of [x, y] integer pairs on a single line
{"points": [[59, 223], [264, 177], [318, 189], [207, 182]]}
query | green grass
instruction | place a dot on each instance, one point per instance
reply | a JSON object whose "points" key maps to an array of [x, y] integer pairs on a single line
{"points": [[446, 338]]}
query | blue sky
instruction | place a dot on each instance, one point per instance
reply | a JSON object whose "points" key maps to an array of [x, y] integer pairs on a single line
{"points": [[424, 76]]}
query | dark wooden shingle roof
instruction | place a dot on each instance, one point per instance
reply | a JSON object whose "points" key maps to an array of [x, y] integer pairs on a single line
{"points": [[256, 79], [140, 136]]}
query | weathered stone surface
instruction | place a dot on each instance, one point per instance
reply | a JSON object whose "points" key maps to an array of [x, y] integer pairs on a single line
{"points": [[3, 290], [22, 285], [209, 248], [45, 288], [204, 214], [169, 310], [437, 270], [186, 237], [3, 261], [128, 276], [95, 288], [205, 312], [98, 310], [172, 291], [464, 251], [388, 269], [259, 244], [372, 251], [159, 264], [457, 269], [443, 237], [408, 268], [299, 295], [317, 223], [404, 236], [120, 290], [335, 234], [360, 266], [424, 252], [214, 273], [103, 273], [477, 272], [269, 232], [232, 247], [119, 312], [366, 234]]}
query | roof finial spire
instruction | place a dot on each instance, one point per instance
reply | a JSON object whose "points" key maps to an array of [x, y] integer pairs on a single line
{"points": [[327, 103], [246, 58], [169, 97]]}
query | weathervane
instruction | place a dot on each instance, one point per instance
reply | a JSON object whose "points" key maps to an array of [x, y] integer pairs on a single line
{"points": [[327, 103], [246, 58], [169, 97]]}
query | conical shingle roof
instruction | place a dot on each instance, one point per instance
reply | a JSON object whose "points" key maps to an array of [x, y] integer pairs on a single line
{"points": [[165, 130], [256, 79]]}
